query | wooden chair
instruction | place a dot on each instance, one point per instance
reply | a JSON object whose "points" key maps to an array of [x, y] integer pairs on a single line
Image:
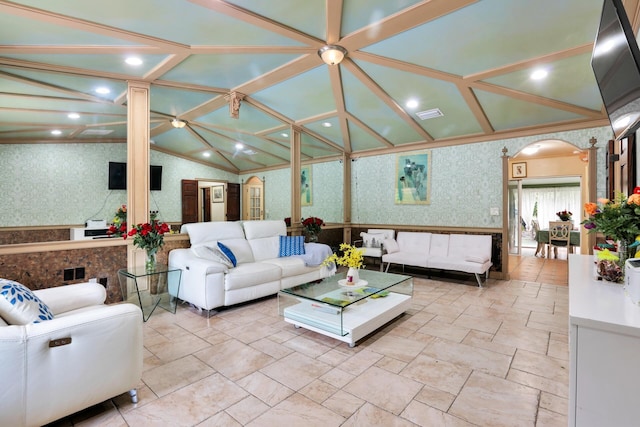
{"points": [[559, 236]]}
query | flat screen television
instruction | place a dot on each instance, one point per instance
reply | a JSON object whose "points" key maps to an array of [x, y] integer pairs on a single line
{"points": [[616, 65], [118, 176]]}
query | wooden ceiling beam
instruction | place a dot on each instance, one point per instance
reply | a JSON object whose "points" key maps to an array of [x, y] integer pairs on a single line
{"points": [[370, 131], [338, 97], [333, 9], [476, 109]]}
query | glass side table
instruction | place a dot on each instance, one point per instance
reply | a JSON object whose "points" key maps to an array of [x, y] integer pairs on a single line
{"points": [[149, 289]]}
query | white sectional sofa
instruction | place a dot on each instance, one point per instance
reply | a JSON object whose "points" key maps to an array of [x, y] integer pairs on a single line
{"points": [[469, 253], [208, 283]]}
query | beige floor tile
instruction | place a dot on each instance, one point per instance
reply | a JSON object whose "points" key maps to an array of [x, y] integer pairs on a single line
{"points": [[221, 419], [538, 382], [247, 409], [485, 341], [490, 401], [444, 330], [392, 365], [474, 358], [388, 391], [318, 391], [337, 377], [550, 419], [523, 337], [435, 398], [343, 403], [541, 365], [273, 349], [477, 323], [360, 362], [439, 374], [403, 349], [558, 349], [295, 370], [372, 416], [178, 347], [554, 403], [298, 410], [264, 388], [424, 415], [176, 374], [234, 359], [307, 346]]}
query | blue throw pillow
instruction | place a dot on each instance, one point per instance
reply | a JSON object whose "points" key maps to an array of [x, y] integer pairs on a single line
{"points": [[291, 245], [225, 250]]}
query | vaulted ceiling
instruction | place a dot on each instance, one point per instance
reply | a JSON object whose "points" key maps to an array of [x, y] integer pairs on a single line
{"points": [[470, 60]]}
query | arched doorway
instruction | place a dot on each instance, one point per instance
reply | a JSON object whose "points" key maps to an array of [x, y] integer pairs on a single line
{"points": [[253, 199], [545, 177]]}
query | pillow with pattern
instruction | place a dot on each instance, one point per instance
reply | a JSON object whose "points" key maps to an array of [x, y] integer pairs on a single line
{"points": [[20, 306], [291, 245], [372, 240]]}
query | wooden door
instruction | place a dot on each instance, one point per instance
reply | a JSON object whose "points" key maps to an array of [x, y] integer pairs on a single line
{"points": [[189, 201], [627, 165], [206, 204], [233, 202]]}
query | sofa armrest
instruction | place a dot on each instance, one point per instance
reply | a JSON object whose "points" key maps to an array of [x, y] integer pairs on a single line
{"points": [[46, 378], [185, 259], [71, 297]]}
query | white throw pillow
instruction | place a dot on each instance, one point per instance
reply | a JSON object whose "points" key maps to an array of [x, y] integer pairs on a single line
{"points": [[391, 246], [212, 253], [20, 306], [372, 240]]}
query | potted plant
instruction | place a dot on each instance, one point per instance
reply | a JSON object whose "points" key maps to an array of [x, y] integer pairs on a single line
{"points": [[351, 257]]}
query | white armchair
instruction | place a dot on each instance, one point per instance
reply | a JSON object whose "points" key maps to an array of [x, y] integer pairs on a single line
{"points": [[372, 242], [88, 353]]}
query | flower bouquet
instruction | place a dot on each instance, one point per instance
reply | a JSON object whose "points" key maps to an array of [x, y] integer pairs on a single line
{"points": [[564, 215], [150, 237], [312, 227], [118, 226], [351, 257]]}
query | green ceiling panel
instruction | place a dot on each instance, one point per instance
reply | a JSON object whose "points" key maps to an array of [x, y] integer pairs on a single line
{"points": [[250, 142], [361, 102], [62, 104], [507, 113], [59, 118], [313, 147], [565, 82], [484, 35], [176, 101], [332, 133], [178, 140], [186, 23], [361, 140], [430, 93], [302, 96], [226, 70], [309, 19], [362, 13], [25, 88]]}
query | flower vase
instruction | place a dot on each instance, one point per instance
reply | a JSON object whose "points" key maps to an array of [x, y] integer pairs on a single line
{"points": [[312, 237], [353, 277], [150, 263], [623, 253]]}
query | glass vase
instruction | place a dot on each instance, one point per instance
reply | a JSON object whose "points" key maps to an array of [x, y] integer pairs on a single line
{"points": [[623, 253], [150, 262], [312, 237]]}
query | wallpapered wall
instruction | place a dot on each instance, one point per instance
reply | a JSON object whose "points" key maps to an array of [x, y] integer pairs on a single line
{"points": [[60, 184], [67, 184]]}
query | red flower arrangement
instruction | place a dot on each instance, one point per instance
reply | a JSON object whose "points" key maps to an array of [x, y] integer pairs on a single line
{"points": [[119, 224], [287, 221], [149, 236], [312, 225]]}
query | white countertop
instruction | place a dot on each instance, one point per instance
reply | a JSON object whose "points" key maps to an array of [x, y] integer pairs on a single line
{"points": [[598, 304]]}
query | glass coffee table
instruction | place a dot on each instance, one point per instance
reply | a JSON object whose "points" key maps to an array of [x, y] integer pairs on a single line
{"points": [[347, 313]]}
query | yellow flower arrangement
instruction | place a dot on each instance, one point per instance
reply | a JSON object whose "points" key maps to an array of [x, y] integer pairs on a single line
{"points": [[351, 257]]}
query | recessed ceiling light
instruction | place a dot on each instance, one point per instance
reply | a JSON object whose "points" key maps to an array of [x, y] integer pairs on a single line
{"points": [[239, 146], [73, 115], [103, 90], [206, 154], [286, 135], [327, 124], [412, 103], [56, 132], [539, 74], [133, 60]]}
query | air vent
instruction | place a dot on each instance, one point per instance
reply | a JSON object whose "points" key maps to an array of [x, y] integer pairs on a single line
{"points": [[96, 132], [429, 114]]}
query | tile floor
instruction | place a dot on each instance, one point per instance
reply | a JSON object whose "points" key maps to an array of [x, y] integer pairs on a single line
{"points": [[461, 356]]}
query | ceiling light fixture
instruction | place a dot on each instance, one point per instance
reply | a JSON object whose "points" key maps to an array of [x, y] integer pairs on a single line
{"points": [[412, 103], [73, 115], [332, 54], [286, 135], [539, 74], [133, 60], [326, 125], [239, 146], [178, 124], [56, 132], [103, 90]]}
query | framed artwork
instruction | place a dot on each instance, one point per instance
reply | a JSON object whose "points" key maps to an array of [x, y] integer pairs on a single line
{"points": [[217, 194], [413, 178], [519, 170], [306, 187]]}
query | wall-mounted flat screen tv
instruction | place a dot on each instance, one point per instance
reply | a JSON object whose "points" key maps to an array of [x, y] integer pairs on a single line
{"points": [[616, 66], [118, 176]]}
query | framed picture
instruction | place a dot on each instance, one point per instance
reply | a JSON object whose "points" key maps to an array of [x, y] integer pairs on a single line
{"points": [[306, 187], [217, 193], [413, 178], [519, 170]]}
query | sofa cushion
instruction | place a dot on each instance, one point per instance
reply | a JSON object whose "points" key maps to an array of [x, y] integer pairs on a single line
{"points": [[241, 250], [476, 258], [264, 228], [228, 253], [417, 258], [210, 232], [290, 266], [462, 245], [291, 245], [439, 245], [372, 240], [20, 306], [391, 246], [457, 264], [414, 241], [251, 274]]}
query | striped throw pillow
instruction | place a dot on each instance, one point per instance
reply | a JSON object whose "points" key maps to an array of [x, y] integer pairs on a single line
{"points": [[291, 245]]}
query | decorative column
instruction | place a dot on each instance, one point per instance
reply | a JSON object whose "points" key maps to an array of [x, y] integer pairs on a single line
{"points": [[505, 216], [346, 201], [138, 135], [296, 207], [592, 174]]}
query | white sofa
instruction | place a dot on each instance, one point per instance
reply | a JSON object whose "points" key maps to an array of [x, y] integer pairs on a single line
{"points": [[208, 283], [88, 353], [468, 253], [372, 242]]}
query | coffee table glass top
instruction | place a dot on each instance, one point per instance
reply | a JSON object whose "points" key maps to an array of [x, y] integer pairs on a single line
{"points": [[329, 291]]}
